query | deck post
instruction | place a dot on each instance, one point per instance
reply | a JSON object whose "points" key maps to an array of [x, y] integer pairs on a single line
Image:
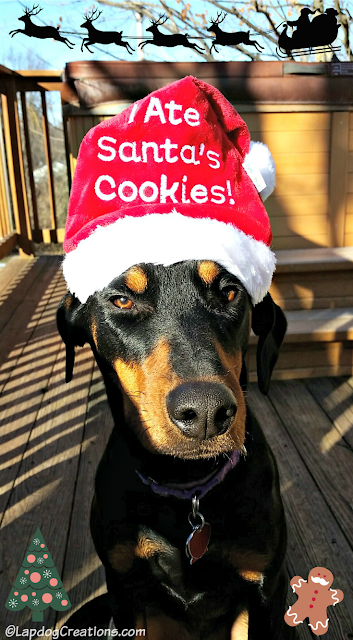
{"points": [[16, 167]]}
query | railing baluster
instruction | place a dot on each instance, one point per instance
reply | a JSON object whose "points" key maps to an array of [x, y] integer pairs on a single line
{"points": [[49, 165], [5, 205], [29, 162]]}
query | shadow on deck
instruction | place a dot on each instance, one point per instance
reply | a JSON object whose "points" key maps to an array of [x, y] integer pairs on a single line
{"points": [[53, 435]]}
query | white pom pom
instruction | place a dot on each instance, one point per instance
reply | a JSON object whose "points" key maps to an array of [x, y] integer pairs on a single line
{"points": [[260, 158]]}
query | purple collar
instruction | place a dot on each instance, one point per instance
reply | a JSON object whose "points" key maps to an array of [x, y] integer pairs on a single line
{"points": [[188, 490]]}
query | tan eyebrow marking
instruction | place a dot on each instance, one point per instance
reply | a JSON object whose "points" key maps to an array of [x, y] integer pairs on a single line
{"points": [[136, 279], [252, 576], [208, 271]]}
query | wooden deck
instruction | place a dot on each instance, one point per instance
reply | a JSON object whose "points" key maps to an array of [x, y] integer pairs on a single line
{"points": [[52, 437]]}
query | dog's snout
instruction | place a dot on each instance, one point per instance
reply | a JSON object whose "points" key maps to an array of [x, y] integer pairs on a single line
{"points": [[202, 409]]}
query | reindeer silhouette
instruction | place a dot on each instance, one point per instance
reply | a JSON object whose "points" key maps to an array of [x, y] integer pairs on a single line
{"points": [[34, 31], [168, 39], [226, 38], [101, 37]]}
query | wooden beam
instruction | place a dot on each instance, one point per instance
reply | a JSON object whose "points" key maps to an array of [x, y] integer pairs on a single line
{"points": [[41, 73], [16, 168], [338, 178], [31, 84], [241, 82], [5, 71], [34, 79]]}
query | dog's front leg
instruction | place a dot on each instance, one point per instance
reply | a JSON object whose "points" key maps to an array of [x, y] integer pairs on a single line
{"points": [[117, 604], [240, 628], [95, 613], [266, 618]]}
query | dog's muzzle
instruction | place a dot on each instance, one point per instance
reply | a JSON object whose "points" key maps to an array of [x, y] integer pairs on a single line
{"points": [[202, 410]]}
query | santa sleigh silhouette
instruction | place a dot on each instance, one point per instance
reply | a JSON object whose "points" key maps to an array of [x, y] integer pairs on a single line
{"points": [[314, 36]]}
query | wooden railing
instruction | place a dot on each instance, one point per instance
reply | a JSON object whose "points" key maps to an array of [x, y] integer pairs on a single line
{"points": [[17, 226], [304, 112]]}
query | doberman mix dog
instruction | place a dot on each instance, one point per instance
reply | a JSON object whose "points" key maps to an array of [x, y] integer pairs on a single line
{"points": [[170, 343]]}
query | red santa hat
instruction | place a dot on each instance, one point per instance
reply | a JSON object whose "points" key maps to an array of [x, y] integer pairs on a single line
{"points": [[173, 177]]}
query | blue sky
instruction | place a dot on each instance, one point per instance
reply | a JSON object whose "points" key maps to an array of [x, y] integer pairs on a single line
{"points": [[56, 54], [24, 52]]}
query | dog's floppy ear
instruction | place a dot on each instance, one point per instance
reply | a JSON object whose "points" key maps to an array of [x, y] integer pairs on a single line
{"points": [[270, 324], [70, 327]]}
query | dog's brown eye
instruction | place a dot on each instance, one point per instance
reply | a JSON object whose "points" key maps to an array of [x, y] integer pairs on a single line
{"points": [[123, 302], [228, 294]]}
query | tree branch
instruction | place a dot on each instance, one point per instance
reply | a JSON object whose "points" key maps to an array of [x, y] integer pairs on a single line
{"points": [[185, 18], [343, 20]]}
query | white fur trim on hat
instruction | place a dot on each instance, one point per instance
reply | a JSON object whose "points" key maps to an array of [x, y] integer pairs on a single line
{"points": [[166, 239], [261, 160]]}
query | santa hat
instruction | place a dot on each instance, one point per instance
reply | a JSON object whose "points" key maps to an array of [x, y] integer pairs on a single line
{"points": [[171, 178]]}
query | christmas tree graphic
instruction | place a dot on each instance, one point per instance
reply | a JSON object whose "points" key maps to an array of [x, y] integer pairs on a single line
{"points": [[38, 584]]}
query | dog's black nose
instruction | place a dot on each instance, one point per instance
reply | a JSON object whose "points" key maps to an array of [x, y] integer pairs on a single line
{"points": [[201, 409]]}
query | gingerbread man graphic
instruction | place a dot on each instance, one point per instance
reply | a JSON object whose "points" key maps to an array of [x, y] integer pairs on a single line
{"points": [[314, 596]]}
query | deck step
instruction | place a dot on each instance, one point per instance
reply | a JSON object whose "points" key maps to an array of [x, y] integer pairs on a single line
{"points": [[308, 279], [321, 259], [318, 342], [318, 325]]}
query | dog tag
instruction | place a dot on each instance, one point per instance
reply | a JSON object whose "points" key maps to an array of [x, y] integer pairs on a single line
{"points": [[197, 542]]}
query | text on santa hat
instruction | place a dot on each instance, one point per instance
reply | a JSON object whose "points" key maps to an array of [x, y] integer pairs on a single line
{"points": [[167, 152], [170, 114], [148, 191]]}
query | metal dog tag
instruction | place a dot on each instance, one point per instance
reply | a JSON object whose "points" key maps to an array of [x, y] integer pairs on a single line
{"points": [[197, 542]]}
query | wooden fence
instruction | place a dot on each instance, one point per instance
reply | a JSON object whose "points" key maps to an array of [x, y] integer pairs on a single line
{"points": [[303, 112], [16, 226]]}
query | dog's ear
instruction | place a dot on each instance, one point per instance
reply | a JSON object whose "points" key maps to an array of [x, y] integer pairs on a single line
{"points": [[270, 324], [71, 329]]}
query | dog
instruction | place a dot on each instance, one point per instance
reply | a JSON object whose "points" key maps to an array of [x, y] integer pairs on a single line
{"points": [[186, 455]]}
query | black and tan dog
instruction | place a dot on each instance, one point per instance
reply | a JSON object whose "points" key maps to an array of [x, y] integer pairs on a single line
{"points": [[170, 342]]}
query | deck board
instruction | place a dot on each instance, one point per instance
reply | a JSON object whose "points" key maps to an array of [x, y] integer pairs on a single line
{"points": [[83, 573], [23, 298], [10, 272], [315, 536], [46, 454], [53, 435], [334, 395], [314, 435]]}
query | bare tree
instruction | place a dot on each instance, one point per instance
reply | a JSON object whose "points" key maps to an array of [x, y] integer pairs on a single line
{"points": [[260, 18]]}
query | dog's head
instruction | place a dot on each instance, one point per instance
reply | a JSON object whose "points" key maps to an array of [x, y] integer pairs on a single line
{"points": [[170, 343]]}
